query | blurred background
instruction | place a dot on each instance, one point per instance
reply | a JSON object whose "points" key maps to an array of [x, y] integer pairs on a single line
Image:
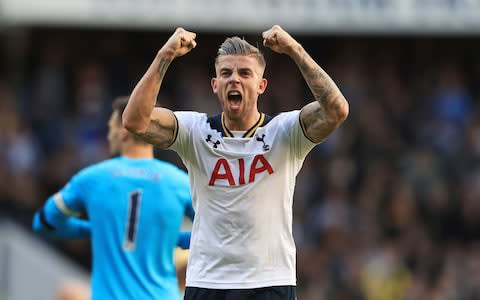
{"points": [[388, 208]]}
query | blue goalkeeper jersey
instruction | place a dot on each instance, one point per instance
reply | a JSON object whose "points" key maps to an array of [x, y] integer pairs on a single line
{"points": [[135, 210]]}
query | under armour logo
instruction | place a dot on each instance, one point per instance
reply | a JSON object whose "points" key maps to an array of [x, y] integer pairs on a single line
{"points": [[261, 139], [209, 139]]}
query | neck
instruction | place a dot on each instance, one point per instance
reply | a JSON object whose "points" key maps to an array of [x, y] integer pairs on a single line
{"points": [[241, 124], [138, 151]]}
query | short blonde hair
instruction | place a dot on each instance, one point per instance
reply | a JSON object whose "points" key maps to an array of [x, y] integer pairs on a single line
{"points": [[238, 46]]}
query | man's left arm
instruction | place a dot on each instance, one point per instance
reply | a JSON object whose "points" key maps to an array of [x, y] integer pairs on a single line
{"points": [[330, 108]]}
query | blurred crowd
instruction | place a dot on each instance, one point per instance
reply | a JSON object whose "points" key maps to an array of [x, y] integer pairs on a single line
{"points": [[387, 208]]}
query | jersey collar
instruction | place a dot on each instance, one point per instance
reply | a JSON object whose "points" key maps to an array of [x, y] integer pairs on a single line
{"points": [[249, 133], [217, 123]]}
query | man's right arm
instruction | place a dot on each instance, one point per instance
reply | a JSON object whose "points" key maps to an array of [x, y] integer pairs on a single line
{"points": [[56, 220], [156, 125]]}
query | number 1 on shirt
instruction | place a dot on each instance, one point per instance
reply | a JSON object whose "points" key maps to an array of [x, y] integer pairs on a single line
{"points": [[132, 220]]}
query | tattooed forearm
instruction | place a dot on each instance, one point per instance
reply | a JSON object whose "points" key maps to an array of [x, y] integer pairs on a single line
{"points": [[318, 81], [162, 67], [330, 109], [324, 90]]}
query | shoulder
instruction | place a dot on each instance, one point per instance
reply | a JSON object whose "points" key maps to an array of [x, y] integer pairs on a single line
{"points": [[171, 173], [284, 124], [284, 116], [185, 116], [285, 119], [215, 121], [168, 167], [189, 121], [97, 169], [282, 119]]}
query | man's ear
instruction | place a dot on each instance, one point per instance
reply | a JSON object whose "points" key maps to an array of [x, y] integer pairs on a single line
{"points": [[124, 134], [213, 83], [262, 86]]}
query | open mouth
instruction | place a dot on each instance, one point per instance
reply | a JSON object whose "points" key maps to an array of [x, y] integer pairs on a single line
{"points": [[234, 99], [234, 96]]}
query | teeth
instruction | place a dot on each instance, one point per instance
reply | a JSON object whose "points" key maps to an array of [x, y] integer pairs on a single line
{"points": [[234, 93]]}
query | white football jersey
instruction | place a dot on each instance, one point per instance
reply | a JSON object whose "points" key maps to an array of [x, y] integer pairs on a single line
{"points": [[242, 191]]}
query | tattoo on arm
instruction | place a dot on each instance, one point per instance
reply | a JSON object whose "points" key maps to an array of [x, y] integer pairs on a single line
{"points": [[322, 86], [319, 82], [162, 67], [322, 118], [158, 135]]}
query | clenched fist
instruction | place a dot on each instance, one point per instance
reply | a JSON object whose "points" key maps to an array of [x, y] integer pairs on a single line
{"points": [[279, 40], [180, 43]]}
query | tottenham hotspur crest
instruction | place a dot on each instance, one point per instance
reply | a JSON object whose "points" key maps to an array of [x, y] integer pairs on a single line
{"points": [[261, 139]]}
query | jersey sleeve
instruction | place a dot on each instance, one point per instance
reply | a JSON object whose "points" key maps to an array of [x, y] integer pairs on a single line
{"points": [[301, 145], [182, 184], [186, 121], [71, 199], [50, 221], [184, 239], [60, 215]]}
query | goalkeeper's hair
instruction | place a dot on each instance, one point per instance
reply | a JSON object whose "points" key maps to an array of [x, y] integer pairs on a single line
{"points": [[119, 105]]}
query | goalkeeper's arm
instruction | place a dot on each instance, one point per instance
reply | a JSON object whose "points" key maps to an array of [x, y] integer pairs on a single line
{"points": [[184, 239], [50, 220]]}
